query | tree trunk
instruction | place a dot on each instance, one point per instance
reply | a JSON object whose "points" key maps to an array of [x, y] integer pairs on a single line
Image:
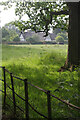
{"points": [[73, 57]]}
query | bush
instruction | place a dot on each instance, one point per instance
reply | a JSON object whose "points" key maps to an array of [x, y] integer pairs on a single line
{"points": [[59, 39], [63, 35], [16, 39]]}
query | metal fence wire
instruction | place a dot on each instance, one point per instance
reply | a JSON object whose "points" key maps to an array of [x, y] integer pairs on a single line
{"points": [[26, 100]]}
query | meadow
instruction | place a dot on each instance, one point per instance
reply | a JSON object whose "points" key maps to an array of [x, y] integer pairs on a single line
{"points": [[40, 65]]}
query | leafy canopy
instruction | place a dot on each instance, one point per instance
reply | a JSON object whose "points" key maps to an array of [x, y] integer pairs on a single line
{"points": [[42, 16], [8, 34]]}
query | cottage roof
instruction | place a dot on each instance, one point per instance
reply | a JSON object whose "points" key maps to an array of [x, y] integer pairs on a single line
{"points": [[27, 34], [52, 36], [40, 34]]}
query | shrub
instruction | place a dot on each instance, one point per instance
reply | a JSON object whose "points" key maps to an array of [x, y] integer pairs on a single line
{"points": [[16, 39], [63, 35], [59, 39]]}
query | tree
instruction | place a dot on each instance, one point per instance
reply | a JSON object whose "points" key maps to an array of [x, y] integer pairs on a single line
{"points": [[16, 39], [5, 32], [8, 33], [73, 57], [43, 16], [10, 26], [13, 34], [46, 15]]}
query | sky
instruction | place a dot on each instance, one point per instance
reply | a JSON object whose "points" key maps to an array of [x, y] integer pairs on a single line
{"points": [[7, 16]]}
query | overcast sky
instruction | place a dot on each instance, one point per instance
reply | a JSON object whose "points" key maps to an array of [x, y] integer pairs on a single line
{"points": [[7, 16]]}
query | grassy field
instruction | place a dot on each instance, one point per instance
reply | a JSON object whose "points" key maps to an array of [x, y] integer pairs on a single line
{"points": [[39, 64]]}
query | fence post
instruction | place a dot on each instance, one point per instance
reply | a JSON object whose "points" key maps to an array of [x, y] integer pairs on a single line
{"points": [[26, 99], [4, 86], [14, 102], [49, 104]]}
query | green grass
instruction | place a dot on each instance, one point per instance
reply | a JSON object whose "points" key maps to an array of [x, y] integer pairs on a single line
{"points": [[39, 64]]}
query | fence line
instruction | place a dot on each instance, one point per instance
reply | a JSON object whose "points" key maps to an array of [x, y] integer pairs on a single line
{"points": [[12, 101], [27, 104]]}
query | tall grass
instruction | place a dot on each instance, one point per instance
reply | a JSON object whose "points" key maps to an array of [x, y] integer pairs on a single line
{"points": [[39, 64]]}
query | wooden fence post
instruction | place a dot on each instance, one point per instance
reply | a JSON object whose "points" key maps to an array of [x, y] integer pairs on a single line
{"points": [[14, 102], [49, 104], [26, 99], [4, 86]]}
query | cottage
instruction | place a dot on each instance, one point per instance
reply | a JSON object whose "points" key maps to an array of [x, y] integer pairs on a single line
{"points": [[30, 33], [52, 36], [22, 38]]}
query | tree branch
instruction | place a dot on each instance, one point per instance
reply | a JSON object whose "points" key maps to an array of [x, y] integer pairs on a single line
{"points": [[39, 31], [60, 12]]}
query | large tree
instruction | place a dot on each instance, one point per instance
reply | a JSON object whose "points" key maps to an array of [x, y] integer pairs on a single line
{"points": [[46, 15], [73, 57]]}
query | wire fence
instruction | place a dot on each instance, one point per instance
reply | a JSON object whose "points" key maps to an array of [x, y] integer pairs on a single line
{"points": [[26, 99]]}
